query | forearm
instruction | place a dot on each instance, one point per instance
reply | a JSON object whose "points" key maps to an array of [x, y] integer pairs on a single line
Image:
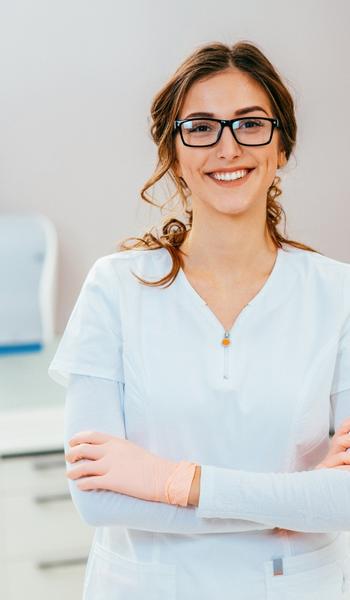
{"points": [[309, 501], [312, 501]]}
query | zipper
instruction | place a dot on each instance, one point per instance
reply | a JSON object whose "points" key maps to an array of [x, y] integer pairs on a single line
{"points": [[226, 341]]}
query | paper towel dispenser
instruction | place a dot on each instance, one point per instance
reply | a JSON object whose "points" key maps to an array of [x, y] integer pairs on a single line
{"points": [[28, 258]]}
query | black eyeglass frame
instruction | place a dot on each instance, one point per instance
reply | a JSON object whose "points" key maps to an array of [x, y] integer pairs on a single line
{"points": [[224, 123]]}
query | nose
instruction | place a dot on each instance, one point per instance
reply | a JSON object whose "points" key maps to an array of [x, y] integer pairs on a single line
{"points": [[227, 146]]}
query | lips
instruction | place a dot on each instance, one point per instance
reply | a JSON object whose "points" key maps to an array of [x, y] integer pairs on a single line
{"points": [[230, 183]]}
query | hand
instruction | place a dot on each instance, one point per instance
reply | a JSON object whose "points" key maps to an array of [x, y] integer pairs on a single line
{"points": [[338, 456], [115, 464]]}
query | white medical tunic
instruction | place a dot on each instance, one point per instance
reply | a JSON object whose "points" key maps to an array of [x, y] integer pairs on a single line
{"points": [[147, 364]]}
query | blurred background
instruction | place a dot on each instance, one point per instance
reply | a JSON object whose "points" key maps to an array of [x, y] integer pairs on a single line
{"points": [[77, 80]]}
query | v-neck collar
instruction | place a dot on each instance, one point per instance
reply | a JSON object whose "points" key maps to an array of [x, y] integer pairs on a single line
{"points": [[274, 293], [269, 282]]}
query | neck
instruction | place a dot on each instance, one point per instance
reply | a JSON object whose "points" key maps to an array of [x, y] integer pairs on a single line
{"points": [[240, 252]]}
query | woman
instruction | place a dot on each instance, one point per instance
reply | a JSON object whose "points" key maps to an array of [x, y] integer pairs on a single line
{"points": [[206, 368]]}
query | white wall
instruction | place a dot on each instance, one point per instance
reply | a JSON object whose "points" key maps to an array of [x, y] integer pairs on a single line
{"points": [[77, 78]]}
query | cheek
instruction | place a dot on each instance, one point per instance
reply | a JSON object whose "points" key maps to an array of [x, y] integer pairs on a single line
{"points": [[190, 168], [191, 164]]}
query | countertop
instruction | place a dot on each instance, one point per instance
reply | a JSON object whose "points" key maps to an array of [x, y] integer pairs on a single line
{"points": [[31, 403]]}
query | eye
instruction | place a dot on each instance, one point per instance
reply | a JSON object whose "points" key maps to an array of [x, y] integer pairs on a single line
{"points": [[250, 124], [199, 126]]}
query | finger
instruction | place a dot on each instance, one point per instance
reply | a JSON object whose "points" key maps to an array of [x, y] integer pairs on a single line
{"points": [[344, 467], [81, 451], [344, 440], [344, 427], [339, 444], [91, 483], [345, 457], [90, 437], [332, 461], [336, 460], [85, 469]]}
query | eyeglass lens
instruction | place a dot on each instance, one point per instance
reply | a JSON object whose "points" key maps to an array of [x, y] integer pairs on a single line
{"points": [[200, 132]]}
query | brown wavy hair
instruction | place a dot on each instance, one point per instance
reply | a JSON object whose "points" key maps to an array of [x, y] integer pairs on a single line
{"points": [[203, 62]]}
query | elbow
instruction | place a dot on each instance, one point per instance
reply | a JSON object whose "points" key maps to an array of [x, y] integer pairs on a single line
{"points": [[87, 506]]}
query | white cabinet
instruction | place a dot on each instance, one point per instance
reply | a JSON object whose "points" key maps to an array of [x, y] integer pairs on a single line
{"points": [[44, 544]]}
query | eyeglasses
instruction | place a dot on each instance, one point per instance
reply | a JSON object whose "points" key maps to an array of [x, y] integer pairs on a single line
{"points": [[249, 131]]}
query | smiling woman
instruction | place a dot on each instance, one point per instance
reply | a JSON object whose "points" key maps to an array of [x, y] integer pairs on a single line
{"points": [[224, 111], [202, 367]]}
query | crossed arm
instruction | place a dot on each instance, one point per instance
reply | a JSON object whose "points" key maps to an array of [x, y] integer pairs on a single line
{"points": [[229, 501]]}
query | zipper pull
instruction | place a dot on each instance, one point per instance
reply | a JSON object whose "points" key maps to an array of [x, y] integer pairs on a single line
{"points": [[226, 342], [226, 339]]}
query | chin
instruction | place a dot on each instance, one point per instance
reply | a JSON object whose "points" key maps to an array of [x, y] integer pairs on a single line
{"points": [[233, 206]]}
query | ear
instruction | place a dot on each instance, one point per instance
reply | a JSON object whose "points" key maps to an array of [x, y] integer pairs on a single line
{"points": [[281, 159]]}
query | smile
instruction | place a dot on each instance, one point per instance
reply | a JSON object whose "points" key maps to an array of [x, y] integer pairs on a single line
{"points": [[233, 179]]}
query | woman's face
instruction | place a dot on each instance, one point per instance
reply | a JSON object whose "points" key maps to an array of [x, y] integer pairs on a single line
{"points": [[222, 94]]}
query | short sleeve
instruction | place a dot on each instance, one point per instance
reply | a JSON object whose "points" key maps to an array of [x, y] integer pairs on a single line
{"points": [[341, 376], [91, 343]]}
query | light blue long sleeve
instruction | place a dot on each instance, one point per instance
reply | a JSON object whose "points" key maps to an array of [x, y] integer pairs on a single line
{"points": [[95, 403], [310, 501]]}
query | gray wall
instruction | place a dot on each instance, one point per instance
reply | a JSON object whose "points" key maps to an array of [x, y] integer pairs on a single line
{"points": [[77, 79]]}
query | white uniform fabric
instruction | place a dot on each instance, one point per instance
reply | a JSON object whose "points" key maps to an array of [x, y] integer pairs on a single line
{"points": [[256, 415]]}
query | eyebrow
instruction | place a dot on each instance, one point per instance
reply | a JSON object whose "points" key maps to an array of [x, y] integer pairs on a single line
{"points": [[238, 113]]}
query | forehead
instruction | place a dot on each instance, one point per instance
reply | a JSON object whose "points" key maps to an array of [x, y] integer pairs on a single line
{"points": [[223, 93]]}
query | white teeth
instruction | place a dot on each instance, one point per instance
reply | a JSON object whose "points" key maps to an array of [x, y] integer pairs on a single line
{"points": [[230, 176]]}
